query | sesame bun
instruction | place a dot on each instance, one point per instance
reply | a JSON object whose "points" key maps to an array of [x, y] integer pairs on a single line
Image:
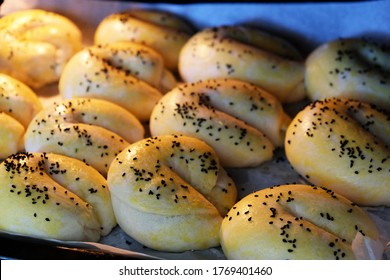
{"points": [[248, 54], [344, 145], [170, 193], [53, 196], [294, 222], [91, 130], [243, 123], [349, 68]]}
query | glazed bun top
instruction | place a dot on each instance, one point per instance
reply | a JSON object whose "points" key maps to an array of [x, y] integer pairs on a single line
{"points": [[343, 144], [172, 175], [242, 122]]}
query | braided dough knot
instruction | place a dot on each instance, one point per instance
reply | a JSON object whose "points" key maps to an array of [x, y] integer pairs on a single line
{"points": [[160, 30], [297, 222], [349, 68]]}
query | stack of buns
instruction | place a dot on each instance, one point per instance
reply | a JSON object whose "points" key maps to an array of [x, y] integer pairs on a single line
{"points": [[152, 114]]}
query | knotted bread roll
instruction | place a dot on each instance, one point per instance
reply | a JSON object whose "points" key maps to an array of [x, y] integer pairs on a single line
{"points": [[128, 74], [18, 105], [170, 193], [242, 123], [54, 196], [36, 44], [295, 222], [344, 145], [244, 53], [161, 30], [91, 130], [349, 68]]}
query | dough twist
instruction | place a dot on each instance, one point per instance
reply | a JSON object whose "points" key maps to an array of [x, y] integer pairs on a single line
{"points": [[349, 68], [163, 31], [128, 74]]}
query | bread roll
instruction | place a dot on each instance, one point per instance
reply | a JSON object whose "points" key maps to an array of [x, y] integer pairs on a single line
{"points": [[128, 74], [349, 68], [170, 193], [161, 30], [344, 145], [294, 222], [247, 54], [242, 123], [91, 130], [54, 196]]}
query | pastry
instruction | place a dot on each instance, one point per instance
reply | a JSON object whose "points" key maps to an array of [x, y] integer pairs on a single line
{"points": [[54, 196], [243, 123], [128, 74], [91, 130], [349, 68], [170, 193], [344, 145], [295, 222], [248, 54], [161, 30], [18, 105]]}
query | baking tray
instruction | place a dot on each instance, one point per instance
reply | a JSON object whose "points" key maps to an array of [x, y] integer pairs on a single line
{"points": [[305, 24]]}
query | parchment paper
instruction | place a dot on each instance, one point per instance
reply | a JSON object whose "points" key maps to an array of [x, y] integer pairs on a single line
{"points": [[305, 24]]}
